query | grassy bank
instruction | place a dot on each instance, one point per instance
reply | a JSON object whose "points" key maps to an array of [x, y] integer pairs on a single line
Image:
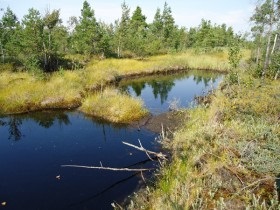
{"points": [[24, 92], [113, 106], [225, 156]]}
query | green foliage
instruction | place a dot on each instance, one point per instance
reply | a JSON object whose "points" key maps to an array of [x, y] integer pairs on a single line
{"points": [[232, 77], [86, 34], [32, 64], [122, 29], [169, 28], [266, 26], [137, 33], [41, 41], [31, 43], [234, 55], [209, 36], [274, 66], [234, 58], [8, 27]]}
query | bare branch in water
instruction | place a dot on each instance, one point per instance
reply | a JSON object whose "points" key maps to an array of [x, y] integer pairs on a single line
{"points": [[108, 168], [148, 152]]}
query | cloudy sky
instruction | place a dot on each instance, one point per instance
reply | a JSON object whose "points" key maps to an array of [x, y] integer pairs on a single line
{"points": [[188, 13]]}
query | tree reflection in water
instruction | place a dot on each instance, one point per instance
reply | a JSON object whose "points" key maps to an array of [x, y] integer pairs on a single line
{"points": [[138, 87], [163, 84], [14, 128], [161, 89], [206, 80], [44, 119]]}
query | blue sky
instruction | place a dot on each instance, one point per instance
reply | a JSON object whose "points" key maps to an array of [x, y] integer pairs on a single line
{"points": [[188, 13]]}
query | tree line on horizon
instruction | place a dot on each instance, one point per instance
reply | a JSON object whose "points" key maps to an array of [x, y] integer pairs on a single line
{"points": [[42, 41]]}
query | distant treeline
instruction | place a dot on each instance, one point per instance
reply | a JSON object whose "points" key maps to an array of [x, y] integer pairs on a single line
{"points": [[41, 41]]}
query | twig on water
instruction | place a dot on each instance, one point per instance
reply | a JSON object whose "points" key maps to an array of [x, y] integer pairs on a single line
{"points": [[141, 148], [108, 168], [148, 152]]}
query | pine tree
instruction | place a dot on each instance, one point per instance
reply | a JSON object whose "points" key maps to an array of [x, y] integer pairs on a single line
{"points": [[31, 40], [9, 24], [169, 28], [122, 29], [155, 35], [86, 34], [137, 33], [50, 21], [157, 25]]}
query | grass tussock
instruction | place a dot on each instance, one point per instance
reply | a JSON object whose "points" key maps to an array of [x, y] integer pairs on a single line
{"points": [[225, 156], [22, 92], [114, 106]]}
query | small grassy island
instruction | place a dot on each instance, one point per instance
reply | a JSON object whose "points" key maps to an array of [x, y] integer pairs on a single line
{"points": [[113, 106], [225, 153]]}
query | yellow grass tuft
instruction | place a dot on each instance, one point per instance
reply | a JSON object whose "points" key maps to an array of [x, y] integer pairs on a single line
{"points": [[113, 106]]}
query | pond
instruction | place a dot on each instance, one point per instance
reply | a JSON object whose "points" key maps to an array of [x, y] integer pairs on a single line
{"points": [[159, 92], [34, 146]]}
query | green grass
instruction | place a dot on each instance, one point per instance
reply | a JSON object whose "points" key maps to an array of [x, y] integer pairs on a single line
{"points": [[225, 156], [114, 106]]}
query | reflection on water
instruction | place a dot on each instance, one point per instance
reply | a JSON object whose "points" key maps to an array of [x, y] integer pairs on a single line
{"points": [[46, 120], [29, 167], [161, 89], [158, 91], [13, 125]]}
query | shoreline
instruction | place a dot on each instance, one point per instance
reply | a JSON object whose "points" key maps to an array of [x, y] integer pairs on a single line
{"points": [[23, 92], [51, 103], [221, 154]]}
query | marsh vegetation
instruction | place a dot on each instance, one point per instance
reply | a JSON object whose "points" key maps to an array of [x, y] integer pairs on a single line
{"points": [[224, 153]]}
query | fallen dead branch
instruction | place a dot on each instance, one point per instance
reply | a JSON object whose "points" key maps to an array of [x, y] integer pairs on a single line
{"points": [[108, 168], [141, 148], [148, 152]]}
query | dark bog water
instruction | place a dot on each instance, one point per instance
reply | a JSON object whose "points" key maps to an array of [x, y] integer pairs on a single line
{"points": [[160, 91], [33, 147]]}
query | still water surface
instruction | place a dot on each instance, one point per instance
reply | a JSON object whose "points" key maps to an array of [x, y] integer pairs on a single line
{"points": [[158, 92], [34, 146]]}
